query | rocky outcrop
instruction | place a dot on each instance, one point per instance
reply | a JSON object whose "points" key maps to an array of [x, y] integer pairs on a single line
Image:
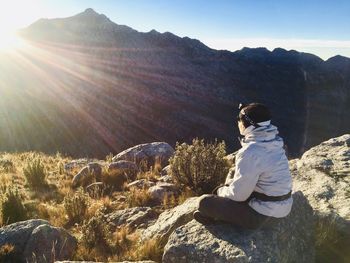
{"points": [[146, 155], [136, 217], [87, 175], [37, 241], [291, 240], [171, 219], [323, 175]]}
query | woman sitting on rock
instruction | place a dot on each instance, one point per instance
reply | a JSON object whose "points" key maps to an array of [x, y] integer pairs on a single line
{"points": [[260, 191]]}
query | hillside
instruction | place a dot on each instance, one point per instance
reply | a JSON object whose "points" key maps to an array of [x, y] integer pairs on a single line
{"points": [[88, 86]]}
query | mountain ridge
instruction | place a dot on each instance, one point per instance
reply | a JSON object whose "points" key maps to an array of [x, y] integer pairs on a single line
{"points": [[109, 89]]}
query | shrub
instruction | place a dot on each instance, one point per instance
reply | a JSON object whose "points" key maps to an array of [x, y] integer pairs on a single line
{"points": [[7, 166], [12, 208], [199, 166], [97, 232], [35, 174], [76, 206]]}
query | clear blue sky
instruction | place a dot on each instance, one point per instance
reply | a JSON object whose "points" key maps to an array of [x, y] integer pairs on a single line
{"points": [[320, 27]]}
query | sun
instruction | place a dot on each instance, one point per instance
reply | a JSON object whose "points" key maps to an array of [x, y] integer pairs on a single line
{"points": [[9, 40]]}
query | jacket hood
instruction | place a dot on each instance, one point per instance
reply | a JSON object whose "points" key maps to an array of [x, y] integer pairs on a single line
{"points": [[265, 136]]}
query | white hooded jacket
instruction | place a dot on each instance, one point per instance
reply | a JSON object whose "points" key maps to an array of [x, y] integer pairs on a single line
{"points": [[261, 166]]}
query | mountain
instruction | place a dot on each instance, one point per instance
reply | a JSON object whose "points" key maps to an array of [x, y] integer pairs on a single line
{"points": [[88, 86]]}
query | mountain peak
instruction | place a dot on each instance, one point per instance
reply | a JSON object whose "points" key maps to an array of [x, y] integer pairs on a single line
{"points": [[90, 11]]}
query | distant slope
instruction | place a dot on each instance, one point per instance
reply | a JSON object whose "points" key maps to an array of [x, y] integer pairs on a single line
{"points": [[88, 86]]}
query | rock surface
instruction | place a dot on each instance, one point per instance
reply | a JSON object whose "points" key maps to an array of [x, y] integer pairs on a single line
{"points": [[39, 237], [162, 189], [171, 219], [147, 154], [47, 243], [291, 240], [141, 184], [323, 175], [132, 217], [87, 175]]}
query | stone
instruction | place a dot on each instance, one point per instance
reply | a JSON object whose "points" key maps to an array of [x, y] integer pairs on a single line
{"points": [[78, 163], [323, 175], [146, 155], [135, 217], [38, 237], [143, 261], [160, 190], [129, 168], [167, 179], [171, 219], [87, 175], [141, 184], [291, 240], [47, 243]]}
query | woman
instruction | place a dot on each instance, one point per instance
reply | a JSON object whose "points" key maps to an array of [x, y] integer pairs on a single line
{"points": [[260, 191]]}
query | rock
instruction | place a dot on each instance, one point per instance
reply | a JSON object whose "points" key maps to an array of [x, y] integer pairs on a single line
{"points": [[323, 175], [166, 179], [160, 190], [127, 167], [79, 163], [141, 184], [48, 243], [87, 175], [291, 240], [171, 219], [147, 154], [37, 236], [132, 217]]}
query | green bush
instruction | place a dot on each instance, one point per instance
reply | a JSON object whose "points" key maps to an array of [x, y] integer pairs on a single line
{"points": [[199, 166], [35, 174], [12, 208], [76, 206]]}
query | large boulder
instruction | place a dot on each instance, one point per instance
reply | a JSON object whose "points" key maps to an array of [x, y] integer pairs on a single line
{"points": [[35, 239], [130, 169], [87, 175], [323, 175], [146, 155], [171, 219], [143, 261], [291, 240], [134, 217], [47, 243]]}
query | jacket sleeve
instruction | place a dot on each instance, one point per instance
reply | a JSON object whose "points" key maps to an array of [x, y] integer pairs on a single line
{"points": [[246, 176]]}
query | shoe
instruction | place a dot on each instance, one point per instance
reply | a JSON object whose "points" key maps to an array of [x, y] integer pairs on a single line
{"points": [[202, 219]]}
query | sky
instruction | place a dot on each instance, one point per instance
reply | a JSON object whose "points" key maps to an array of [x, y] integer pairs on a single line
{"points": [[319, 27]]}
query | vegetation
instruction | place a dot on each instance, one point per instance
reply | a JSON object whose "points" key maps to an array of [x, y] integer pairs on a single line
{"points": [[200, 166], [76, 206], [34, 172], [12, 208]]}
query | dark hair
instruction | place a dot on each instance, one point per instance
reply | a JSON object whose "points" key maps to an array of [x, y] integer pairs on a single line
{"points": [[254, 113]]}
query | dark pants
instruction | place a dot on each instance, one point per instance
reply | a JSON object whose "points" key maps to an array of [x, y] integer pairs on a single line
{"points": [[236, 213]]}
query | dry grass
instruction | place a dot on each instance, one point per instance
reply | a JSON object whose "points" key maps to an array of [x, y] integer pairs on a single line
{"points": [[139, 197]]}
